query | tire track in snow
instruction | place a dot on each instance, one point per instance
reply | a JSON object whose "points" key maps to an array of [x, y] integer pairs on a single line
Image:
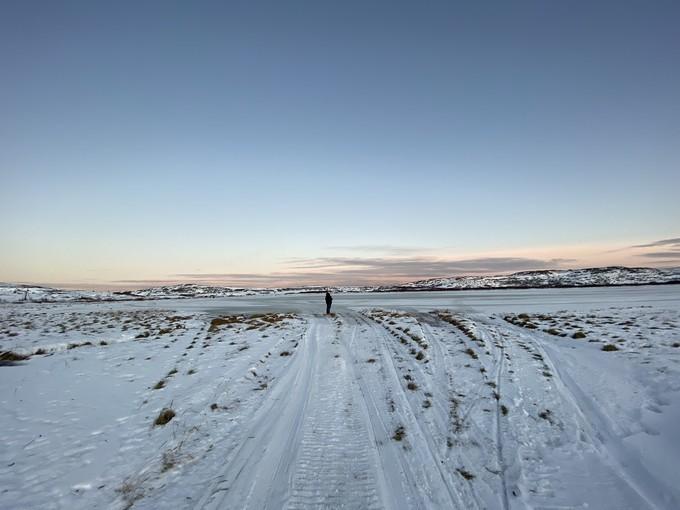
{"points": [[335, 466], [612, 453], [627, 466], [257, 473], [499, 432], [392, 472], [429, 459]]}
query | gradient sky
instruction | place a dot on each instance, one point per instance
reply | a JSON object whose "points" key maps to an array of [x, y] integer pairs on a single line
{"points": [[266, 143]]}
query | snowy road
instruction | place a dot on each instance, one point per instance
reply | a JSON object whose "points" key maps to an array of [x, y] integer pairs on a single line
{"points": [[369, 408]]}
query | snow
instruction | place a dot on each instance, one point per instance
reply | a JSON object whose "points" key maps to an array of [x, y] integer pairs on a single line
{"points": [[410, 400], [590, 277]]}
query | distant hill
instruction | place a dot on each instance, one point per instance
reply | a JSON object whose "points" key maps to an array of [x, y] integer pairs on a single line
{"points": [[555, 278]]}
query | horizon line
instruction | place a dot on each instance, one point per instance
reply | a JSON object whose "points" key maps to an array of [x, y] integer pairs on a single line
{"points": [[129, 285]]}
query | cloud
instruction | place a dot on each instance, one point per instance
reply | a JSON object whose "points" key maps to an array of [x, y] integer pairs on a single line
{"points": [[373, 270], [670, 249], [663, 242], [385, 249], [662, 254]]}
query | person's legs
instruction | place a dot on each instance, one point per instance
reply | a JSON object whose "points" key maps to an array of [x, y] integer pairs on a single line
{"points": [[328, 308]]}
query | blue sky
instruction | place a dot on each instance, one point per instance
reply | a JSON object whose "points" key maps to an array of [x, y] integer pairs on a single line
{"points": [[160, 141]]}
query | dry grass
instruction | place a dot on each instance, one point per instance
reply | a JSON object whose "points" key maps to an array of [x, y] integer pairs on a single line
{"points": [[164, 417], [217, 322], [11, 357], [168, 461], [399, 433], [465, 474], [131, 491], [471, 353], [546, 415], [554, 332]]}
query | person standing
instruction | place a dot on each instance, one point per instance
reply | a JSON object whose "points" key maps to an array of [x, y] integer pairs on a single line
{"points": [[329, 302]]}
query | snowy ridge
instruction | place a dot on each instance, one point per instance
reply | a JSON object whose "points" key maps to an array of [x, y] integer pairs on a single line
{"points": [[10, 293], [591, 277]]}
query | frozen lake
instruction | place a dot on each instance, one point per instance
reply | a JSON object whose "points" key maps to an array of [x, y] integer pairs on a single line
{"points": [[663, 297]]}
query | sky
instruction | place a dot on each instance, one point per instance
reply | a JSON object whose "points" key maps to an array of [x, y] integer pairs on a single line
{"points": [[279, 143]]}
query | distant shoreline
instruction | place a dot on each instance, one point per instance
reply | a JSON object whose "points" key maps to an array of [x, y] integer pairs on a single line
{"points": [[291, 292]]}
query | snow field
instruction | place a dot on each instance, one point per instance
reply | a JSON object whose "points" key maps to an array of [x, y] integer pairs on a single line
{"points": [[367, 408]]}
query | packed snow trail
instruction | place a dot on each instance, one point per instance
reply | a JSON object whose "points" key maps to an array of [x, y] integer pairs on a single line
{"points": [[307, 445]]}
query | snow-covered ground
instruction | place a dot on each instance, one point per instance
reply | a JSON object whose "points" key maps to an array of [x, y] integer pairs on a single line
{"points": [[423, 400]]}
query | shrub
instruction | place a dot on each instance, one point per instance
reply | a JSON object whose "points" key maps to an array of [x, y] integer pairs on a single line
{"points": [[578, 334], [609, 347]]}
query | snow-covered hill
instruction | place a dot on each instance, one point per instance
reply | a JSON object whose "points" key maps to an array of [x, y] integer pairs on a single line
{"points": [[591, 277], [10, 293]]}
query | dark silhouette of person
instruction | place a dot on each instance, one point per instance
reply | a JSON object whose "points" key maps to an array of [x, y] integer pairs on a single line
{"points": [[329, 302]]}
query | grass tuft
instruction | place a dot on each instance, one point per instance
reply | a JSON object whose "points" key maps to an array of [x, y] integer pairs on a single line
{"points": [[471, 353], [11, 356], [399, 433], [465, 474], [164, 417]]}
